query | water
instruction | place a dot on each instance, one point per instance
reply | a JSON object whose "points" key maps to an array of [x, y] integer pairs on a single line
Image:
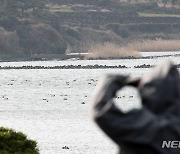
{"points": [[48, 105]]}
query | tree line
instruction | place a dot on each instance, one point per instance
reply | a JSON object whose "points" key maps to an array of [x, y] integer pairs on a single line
{"points": [[26, 28]]}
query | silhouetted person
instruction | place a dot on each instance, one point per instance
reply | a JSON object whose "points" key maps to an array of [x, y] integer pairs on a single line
{"points": [[144, 130]]}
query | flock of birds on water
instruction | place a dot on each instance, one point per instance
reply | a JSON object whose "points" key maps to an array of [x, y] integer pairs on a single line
{"points": [[91, 82]]}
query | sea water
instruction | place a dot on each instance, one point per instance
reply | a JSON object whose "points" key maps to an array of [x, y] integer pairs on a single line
{"points": [[53, 107]]}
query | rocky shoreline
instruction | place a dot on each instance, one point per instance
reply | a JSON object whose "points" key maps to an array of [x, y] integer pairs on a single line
{"points": [[79, 67]]}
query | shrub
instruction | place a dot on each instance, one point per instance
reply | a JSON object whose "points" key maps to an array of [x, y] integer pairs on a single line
{"points": [[150, 28], [155, 45], [117, 29], [151, 5], [114, 27], [110, 50], [41, 39], [12, 142], [9, 43]]}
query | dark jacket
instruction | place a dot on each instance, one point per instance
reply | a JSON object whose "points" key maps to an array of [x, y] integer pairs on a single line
{"points": [[142, 131]]}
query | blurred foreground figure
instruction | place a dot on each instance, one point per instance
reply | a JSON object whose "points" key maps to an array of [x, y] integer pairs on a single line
{"points": [[153, 129]]}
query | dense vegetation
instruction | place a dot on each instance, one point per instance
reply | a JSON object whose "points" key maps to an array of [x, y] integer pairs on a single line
{"points": [[12, 142], [49, 27], [164, 2], [25, 31]]}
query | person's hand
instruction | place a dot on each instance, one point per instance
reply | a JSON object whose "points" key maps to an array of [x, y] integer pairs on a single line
{"points": [[108, 87]]}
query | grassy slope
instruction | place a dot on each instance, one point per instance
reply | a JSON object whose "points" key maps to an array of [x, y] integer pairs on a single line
{"points": [[142, 14]]}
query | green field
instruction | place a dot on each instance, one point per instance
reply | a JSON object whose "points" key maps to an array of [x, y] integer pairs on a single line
{"points": [[61, 9], [141, 14]]}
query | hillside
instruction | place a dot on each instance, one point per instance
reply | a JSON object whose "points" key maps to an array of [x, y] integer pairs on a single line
{"points": [[66, 26], [101, 21]]}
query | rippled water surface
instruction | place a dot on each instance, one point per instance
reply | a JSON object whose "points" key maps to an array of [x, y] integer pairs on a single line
{"points": [[54, 106]]}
